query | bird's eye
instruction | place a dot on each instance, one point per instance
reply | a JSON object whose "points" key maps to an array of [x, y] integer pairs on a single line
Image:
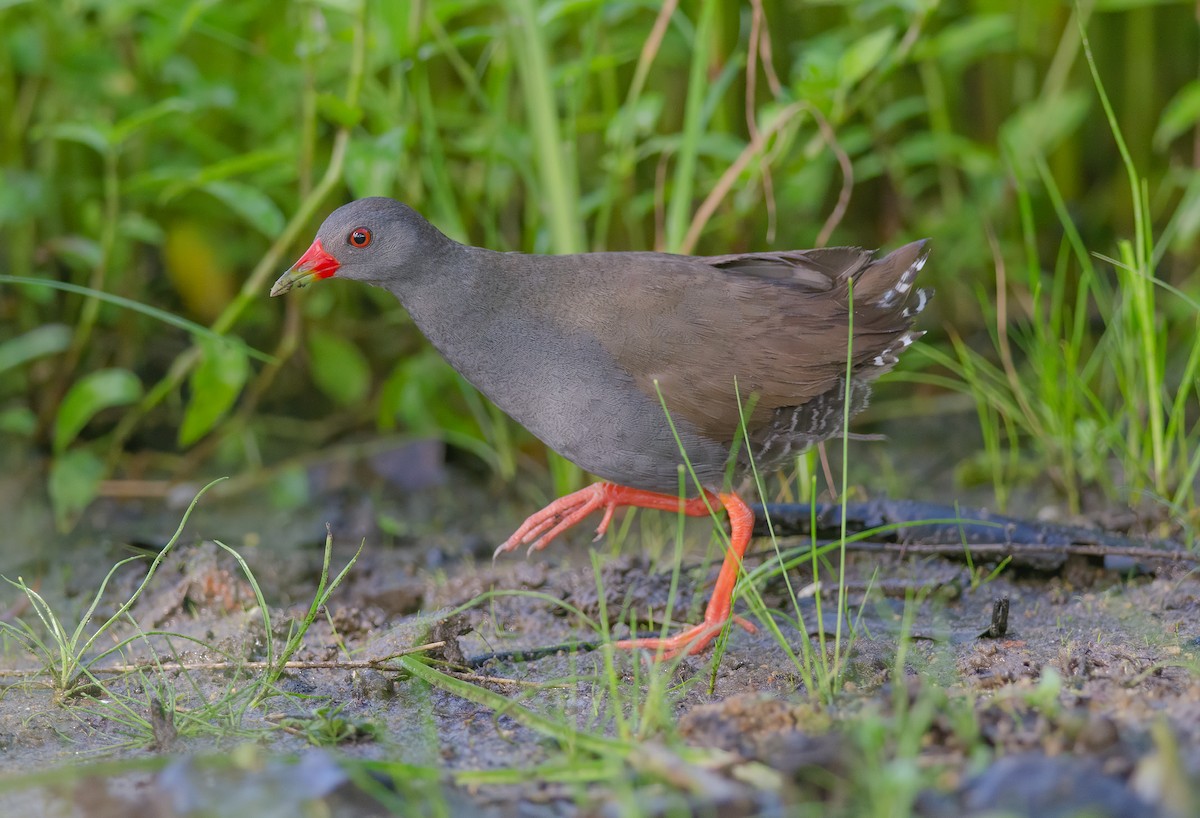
{"points": [[360, 237]]}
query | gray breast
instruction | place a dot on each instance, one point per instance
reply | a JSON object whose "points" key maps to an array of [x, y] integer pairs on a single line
{"points": [[567, 390]]}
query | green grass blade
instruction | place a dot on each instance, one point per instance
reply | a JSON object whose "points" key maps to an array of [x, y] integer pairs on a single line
{"points": [[145, 309]]}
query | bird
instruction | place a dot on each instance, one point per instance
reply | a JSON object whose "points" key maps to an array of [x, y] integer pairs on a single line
{"points": [[635, 365]]}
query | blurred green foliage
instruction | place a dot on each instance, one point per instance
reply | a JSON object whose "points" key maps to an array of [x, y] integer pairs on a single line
{"points": [[179, 153]]}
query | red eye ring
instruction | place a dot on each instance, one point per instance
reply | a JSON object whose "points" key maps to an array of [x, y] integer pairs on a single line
{"points": [[359, 237]]}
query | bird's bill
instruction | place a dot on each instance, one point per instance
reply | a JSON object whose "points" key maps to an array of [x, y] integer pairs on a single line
{"points": [[315, 264]]}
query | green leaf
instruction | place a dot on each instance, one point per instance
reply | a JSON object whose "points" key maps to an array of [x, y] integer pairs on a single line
{"points": [[1180, 115], [371, 164], [417, 393], [98, 140], [635, 120], [149, 114], [140, 227], [214, 385], [181, 180], [22, 195], [865, 55], [74, 481], [18, 420], [289, 488], [77, 252], [1187, 216], [1039, 127], [195, 329], [37, 343], [91, 394], [335, 109], [967, 40], [343, 6], [254, 206], [339, 368]]}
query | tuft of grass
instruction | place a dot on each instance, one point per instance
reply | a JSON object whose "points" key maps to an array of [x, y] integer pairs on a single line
{"points": [[1100, 393], [327, 727], [151, 699], [66, 653], [277, 657]]}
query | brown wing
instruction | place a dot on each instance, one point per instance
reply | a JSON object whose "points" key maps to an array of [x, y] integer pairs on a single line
{"points": [[778, 323]]}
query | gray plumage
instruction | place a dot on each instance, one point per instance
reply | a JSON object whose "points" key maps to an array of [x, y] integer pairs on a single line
{"points": [[577, 348]]}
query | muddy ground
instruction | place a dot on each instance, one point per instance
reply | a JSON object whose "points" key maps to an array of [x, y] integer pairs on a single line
{"points": [[1089, 702]]}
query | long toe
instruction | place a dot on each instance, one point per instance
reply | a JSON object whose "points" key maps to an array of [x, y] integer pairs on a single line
{"points": [[540, 528], [692, 640]]}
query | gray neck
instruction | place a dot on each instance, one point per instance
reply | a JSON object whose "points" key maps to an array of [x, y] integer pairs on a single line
{"points": [[460, 298]]}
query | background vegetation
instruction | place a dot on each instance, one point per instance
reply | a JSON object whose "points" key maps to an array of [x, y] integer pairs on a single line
{"points": [[162, 162], [175, 157]]}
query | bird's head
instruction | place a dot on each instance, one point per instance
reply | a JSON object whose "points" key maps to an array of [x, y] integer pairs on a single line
{"points": [[368, 240]]}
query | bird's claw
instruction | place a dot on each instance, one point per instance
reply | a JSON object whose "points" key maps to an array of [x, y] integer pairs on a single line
{"points": [[562, 514], [691, 640]]}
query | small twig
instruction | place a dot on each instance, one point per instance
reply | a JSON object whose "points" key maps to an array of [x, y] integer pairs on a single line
{"points": [[660, 203], [1004, 549], [725, 184], [500, 680], [126, 489], [336, 664], [530, 654], [827, 470], [335, 453], [843, 158], [650, 49], [759, 36], [1003, 347], [999, 623]]}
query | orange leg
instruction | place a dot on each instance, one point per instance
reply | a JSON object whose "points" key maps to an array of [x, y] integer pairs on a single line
{"points": [[565, 512]]}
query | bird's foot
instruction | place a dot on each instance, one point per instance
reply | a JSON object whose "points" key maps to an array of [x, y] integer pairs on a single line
{"points": [[566, 511], [692, 640], [554, 519]]}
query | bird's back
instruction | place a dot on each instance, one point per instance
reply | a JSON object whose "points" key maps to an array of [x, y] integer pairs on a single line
{"points": [[584, 350]]}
